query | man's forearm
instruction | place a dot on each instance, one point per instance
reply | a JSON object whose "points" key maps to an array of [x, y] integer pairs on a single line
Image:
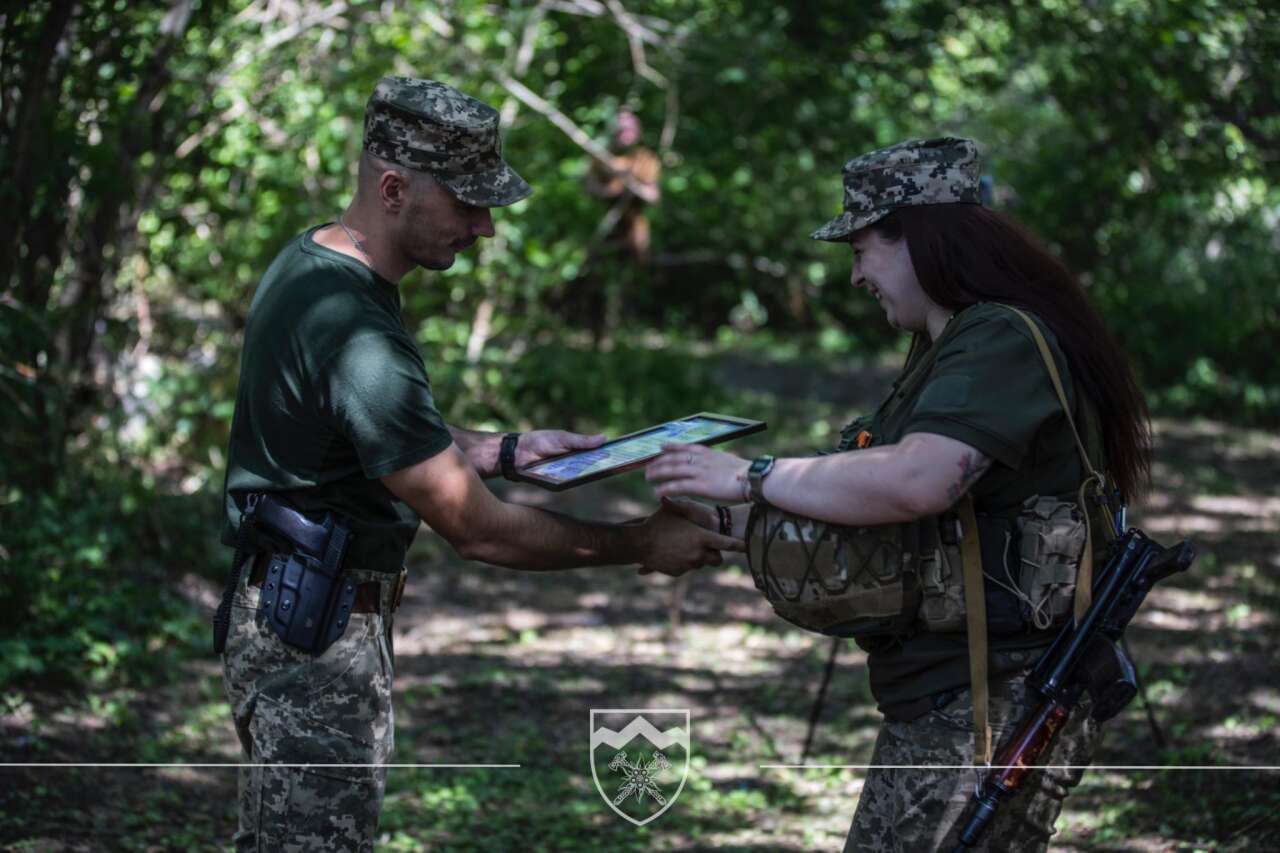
{"points": [[445, 491], [532, 539], [480, 448]]}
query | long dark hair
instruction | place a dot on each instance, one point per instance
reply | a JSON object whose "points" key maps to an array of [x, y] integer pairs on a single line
{"points": [[966, 253]]}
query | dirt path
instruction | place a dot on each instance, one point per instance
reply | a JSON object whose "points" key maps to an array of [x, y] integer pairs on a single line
{"points": [[495, 666]]}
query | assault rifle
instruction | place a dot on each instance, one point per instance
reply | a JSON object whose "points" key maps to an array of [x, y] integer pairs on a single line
{"points": [[1083, 657]]}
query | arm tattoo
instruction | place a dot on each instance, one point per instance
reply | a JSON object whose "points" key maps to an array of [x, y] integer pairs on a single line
{"points": [[972, 466]]}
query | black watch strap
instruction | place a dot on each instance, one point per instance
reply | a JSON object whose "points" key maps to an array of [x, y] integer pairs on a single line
{"points": [[507, 455]]}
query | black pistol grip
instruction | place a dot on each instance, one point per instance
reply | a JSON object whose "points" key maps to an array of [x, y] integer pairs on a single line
{"points": [[281, 521]]}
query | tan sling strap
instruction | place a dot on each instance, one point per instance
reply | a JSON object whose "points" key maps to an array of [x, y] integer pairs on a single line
{"points": [[975, 602], [1084, 579], [975, 614]]}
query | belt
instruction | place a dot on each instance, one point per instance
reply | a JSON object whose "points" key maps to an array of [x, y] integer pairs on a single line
{"points": [[368, 593], [914, 709]]}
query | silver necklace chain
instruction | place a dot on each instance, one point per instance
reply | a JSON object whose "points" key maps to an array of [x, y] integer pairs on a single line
{"points": [[354, 242]]}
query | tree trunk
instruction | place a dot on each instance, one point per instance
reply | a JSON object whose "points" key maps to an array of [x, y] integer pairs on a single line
{"points": [[32, 87]]}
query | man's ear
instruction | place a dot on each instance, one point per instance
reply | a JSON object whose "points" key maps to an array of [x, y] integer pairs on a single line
{"points": [[393, 190]]}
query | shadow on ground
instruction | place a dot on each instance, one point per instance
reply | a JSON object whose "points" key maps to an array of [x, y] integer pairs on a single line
{"points": [[495, 666]]}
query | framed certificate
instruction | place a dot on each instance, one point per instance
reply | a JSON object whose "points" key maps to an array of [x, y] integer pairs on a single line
{"points": [[633, 450]]}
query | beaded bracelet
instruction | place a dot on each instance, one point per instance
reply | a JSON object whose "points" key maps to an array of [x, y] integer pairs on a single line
{"points": [[726, 520]]}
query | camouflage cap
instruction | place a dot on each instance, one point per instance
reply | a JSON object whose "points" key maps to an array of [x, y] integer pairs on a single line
{"points": [[918, 171], [434, 128]]}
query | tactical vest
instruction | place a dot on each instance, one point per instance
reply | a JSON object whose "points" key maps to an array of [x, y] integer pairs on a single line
{"points": [[892, 579], [930, 574], [896, 579]]}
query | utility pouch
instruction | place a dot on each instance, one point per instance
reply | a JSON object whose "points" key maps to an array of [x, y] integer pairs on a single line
{"points": [[1052, 538], [941, 566], [839, 581], [305, 598]]}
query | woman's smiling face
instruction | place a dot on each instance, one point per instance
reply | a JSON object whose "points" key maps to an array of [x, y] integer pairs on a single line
{"points": [[884, 268]]}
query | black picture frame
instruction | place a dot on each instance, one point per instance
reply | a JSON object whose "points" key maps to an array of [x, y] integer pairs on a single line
{"points": [[737, 427]]}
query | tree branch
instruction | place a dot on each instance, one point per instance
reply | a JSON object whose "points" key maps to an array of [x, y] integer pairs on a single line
{"points": [[238, 109], [279, 37], [523, 57], [636, 36]]}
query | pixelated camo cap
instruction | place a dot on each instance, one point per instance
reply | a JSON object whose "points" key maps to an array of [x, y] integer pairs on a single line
{"points": [[434, 128], [918, 171]]}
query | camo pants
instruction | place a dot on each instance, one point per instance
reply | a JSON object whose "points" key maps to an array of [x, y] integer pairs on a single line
{"points": [[292, 708], [918, 810]]}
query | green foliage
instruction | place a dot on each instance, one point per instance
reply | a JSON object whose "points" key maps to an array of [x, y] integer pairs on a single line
{"points": [[87, 578], [1155, 188], [157, 156], [577, 387]]}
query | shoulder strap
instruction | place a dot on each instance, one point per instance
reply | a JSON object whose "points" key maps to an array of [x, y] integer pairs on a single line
{"points": [[975, 614], [975, 603], [1084, 580], [1051, 364]]}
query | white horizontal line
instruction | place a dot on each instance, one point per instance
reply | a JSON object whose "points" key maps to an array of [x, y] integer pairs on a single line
{"points": [[228, 765], [1014, 766]]}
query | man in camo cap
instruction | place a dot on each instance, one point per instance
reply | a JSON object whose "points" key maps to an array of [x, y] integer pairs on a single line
{"points": [[431, 170], [915, 172], [335, 413]]}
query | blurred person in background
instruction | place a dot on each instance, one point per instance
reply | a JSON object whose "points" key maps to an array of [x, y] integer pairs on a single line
{"points": [[630, 183]]}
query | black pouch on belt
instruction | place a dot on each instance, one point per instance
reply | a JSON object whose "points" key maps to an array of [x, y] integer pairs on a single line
{"points": [[305, 597]]}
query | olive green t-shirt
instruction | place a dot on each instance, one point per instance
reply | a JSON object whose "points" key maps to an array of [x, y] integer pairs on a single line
{"points": [[987, 386], [333, 394]]}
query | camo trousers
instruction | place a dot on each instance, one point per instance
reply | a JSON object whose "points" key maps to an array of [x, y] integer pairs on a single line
{"points": [[918, 810], [292, 708]]}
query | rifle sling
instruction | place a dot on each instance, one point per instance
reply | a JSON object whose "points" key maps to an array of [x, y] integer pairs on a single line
{"points": [[975, 603], [975, 614]]}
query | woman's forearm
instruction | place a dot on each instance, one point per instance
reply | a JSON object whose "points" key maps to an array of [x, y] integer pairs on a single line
{"points": [[921, 475], [859, 489]]}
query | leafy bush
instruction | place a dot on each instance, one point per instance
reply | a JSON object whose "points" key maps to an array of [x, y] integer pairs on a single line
{"points": [[570, 386], [87, 582]]}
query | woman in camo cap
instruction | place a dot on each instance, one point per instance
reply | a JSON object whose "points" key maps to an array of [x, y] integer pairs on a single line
{"points": [[973, 424]]}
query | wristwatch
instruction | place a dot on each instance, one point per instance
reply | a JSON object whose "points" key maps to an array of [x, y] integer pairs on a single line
{"points": [[507, 455], [759, 469]]}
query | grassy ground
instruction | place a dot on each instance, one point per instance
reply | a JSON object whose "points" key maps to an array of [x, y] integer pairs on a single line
{"points": [[495, 666]]}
